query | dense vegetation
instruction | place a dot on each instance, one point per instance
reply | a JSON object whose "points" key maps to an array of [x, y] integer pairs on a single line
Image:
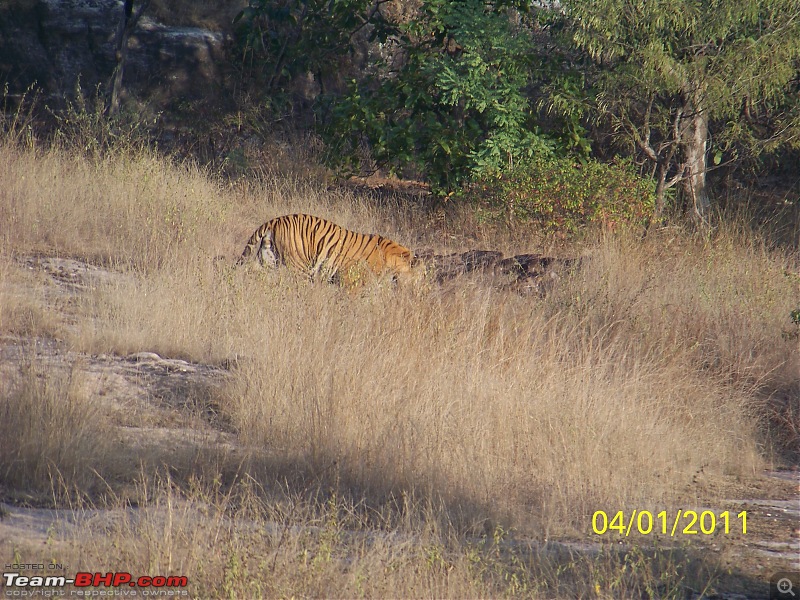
{"points": [[460, 95], [422, 440], [455, 92]]}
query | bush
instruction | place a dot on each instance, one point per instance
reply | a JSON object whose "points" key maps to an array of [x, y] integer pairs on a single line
{"points": [[457, 108], [561, 196]]}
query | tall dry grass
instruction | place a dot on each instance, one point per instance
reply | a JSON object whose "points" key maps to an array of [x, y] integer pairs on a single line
{"points": [[654, 361], [139, 210], [23, 304], [53, 432], [479, 398]]}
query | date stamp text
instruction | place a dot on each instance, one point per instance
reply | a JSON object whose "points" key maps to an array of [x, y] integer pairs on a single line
{"points": [[683, 522]]}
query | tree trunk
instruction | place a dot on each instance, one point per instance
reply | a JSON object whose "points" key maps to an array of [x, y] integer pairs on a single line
{"points": [[126, 25], [661, 188], [695, 146]]}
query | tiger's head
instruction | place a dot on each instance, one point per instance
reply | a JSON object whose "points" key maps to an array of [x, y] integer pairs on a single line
{"points": [[398, 258]]}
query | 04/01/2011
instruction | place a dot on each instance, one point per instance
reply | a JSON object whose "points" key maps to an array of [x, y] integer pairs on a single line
{"points": [[643, 522]]}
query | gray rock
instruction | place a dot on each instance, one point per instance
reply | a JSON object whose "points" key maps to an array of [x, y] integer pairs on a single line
{"points": [[57, 43]]}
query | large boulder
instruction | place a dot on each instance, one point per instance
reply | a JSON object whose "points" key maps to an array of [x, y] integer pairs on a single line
{"points": [[55, 44]]}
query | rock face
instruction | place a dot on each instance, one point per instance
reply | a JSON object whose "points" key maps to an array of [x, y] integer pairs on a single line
{"points": [[57, 43]]}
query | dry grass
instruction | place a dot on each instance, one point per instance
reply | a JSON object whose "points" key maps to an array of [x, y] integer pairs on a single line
{"points": [[53, 433], [419, 410], [235, 544], [23, 306]]}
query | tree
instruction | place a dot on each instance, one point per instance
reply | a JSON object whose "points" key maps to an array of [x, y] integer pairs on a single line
{"points": [[127, 24], [457, 105], [670, 72]]}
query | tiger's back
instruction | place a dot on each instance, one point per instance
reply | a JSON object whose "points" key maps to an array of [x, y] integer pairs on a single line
{"points": [[314, 245]]}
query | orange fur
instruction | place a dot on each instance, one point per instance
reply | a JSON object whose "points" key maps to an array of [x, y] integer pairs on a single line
{"points": [[314, 245]]}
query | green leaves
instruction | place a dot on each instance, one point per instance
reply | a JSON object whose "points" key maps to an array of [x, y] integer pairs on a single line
{"points": [[284, 39], [660, 67], [458, 107], [560, 196]]}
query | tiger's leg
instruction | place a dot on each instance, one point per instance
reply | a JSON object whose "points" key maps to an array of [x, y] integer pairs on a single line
{"points": [[325, 269]]}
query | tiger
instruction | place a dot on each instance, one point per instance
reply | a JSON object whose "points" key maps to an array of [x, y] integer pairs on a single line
{"points": [[317, 246]]}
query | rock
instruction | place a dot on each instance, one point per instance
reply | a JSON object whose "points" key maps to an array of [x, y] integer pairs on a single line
{"points": [[524, 272], [57, 44], [449, 266]]}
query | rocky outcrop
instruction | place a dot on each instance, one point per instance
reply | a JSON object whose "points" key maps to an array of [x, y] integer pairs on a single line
{"points": [[525, 273], [55, 44]]}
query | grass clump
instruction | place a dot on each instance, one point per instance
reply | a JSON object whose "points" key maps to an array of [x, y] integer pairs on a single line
{"points": [[53, 433]]}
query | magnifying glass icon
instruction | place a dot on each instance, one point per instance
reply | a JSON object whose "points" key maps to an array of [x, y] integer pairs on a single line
{"points": [[785, 586]]}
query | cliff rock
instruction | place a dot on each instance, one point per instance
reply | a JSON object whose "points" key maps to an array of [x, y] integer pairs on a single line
{"points": [[57, 44]]}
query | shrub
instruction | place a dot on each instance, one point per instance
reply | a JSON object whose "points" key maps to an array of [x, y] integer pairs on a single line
{"points": [[561, 196], [457, 107]]}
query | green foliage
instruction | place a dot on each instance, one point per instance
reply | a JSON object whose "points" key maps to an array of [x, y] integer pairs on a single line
{"points": [[456, 109], [656, 65], [729, 49], [561, 196], [569, 99]]}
